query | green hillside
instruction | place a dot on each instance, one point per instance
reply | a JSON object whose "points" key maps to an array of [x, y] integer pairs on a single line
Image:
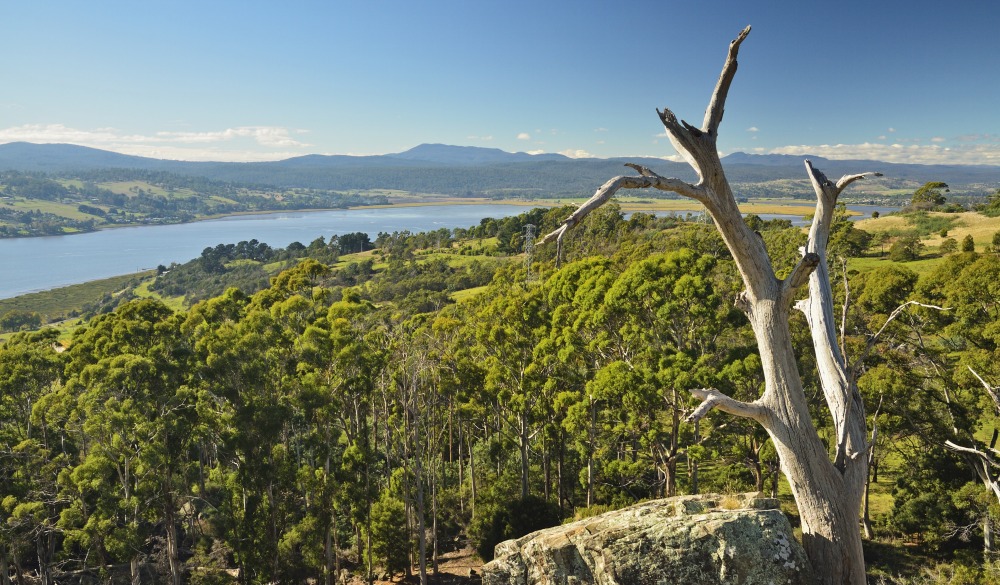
{"points": [[293, 393]]}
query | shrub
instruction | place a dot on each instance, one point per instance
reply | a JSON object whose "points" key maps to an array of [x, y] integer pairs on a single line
{"points": [[949, 246], [905, 249], [500, 522]]}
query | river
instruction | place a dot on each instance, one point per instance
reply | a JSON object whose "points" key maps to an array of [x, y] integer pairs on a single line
{"points": [[34, 264]]}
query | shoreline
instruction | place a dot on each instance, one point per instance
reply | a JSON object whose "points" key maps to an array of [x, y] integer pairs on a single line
{"points": [[790, 207]]}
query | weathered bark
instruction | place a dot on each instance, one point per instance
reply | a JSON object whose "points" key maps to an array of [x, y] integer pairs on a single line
{"points": [[828, 493]]}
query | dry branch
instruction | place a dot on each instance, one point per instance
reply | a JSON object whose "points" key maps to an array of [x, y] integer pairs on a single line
{"points": [[712, 398]]}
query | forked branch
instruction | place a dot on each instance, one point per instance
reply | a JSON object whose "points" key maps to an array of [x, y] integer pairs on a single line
{"points": [[647, 179]]}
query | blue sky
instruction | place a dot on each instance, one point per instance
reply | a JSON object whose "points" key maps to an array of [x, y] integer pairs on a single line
{"points": [[904, 81]]}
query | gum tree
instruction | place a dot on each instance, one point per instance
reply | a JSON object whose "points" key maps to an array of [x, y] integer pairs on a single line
{"points": [[827, 487]]}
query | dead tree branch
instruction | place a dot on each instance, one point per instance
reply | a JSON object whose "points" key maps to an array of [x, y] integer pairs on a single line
{"points": [[712, 398]]}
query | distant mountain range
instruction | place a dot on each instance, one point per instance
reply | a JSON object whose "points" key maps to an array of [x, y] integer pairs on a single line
{"points": [[468, 170]]}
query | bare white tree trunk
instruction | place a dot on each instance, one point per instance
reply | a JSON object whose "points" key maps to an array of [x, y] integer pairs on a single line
{"points": [[828, 492]]}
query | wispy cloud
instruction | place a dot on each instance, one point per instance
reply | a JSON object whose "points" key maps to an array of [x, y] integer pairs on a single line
{"points": [[524, 136], [753, 129], [962, 154], [480, 138], [241, 144]]}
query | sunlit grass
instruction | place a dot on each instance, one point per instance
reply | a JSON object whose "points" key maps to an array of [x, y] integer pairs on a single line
{"points": [[173, 303], [463, 295], [67, 210], [925, 265], [60, 302]]}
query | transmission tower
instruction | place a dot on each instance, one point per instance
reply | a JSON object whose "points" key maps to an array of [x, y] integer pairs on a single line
{"points": [[529, 251]]}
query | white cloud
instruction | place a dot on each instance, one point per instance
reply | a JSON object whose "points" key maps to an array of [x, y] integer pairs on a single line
{"points": [[480, 138], [938, 139], [524, 136], [576, 153], [891, 130], [753, 129], [965, 154], [244, 142], [263, 135]]}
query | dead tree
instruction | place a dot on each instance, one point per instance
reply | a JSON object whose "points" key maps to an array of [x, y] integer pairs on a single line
{"points": [[987, 467], [827, 489]]}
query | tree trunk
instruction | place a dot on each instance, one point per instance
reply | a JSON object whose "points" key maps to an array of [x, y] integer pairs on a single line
{"points": [[694, 462], [523, 444], [989, 546], [44, 571], [434, 521], [828, 493], [592, 439], [472, 478], [173, 553], [329, 528], [18, 569], [4, 565], [461, 469], [866, 522]]}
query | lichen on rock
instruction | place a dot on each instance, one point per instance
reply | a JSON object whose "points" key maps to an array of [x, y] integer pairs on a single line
{"points": [[689, 540]]}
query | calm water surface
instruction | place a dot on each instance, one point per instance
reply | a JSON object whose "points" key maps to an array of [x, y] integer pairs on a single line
{"points": [[33, 264]]}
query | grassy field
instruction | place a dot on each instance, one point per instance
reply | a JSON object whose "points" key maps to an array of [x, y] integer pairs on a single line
{"points": [[132, 188], [970, 223], [68, 210], [60, 302], [142, 291]]}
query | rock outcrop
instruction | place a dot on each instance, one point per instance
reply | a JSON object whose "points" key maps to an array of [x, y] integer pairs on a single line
{"points": [[687, 540]]}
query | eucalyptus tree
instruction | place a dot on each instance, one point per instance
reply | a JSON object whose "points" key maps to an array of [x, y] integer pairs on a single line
{"points": [[339, 361], [509, 323], [126, 383], [827, 492], [31, 457], [575, 293]]}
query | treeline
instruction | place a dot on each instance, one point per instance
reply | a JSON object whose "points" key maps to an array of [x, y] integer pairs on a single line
{"points": [[359, 419]]}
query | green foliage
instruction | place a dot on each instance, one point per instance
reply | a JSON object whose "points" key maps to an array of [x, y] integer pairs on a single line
{"points": [[925, 224], [949, 246], [274, 430], [929, 195], [992, 206], [500, 522], [906, 249], [390, 544], [15, 320]]}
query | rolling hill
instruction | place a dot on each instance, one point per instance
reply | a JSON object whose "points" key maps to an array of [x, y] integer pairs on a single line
{"points": [[468, 171]]}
